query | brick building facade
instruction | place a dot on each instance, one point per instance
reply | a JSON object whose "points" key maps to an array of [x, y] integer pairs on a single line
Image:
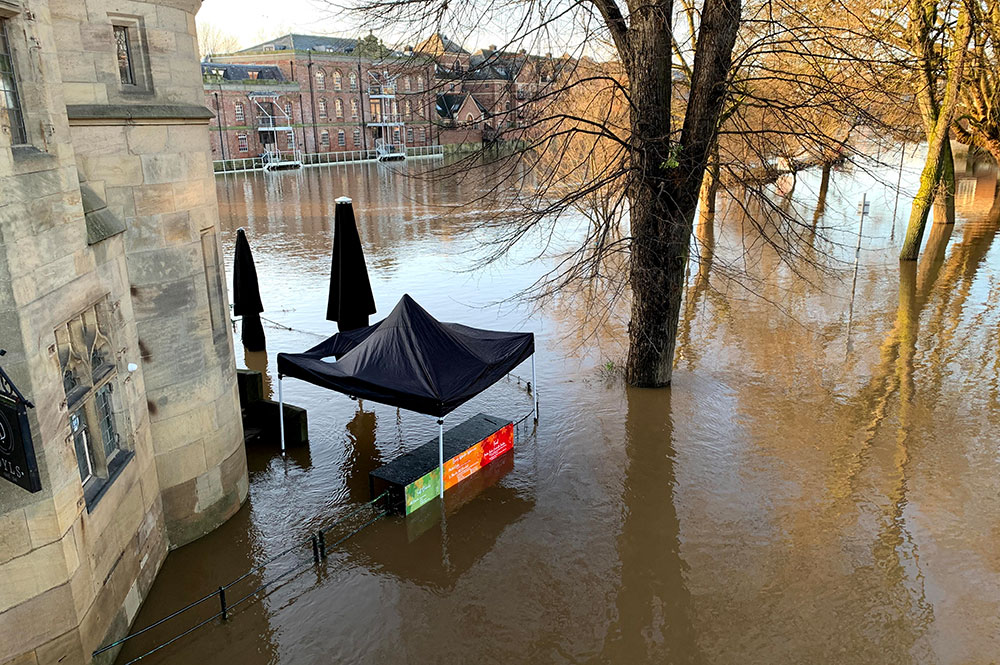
{"points": [[330, 94], [333, 97]]}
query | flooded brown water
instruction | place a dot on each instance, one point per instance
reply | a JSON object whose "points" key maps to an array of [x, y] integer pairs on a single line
{"points": [[821, 484]]}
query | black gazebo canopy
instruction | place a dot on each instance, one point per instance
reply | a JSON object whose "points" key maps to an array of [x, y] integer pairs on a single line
{"points": [[411, 360]]}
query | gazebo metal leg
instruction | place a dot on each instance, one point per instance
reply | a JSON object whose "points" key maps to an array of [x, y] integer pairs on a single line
{"points": [[441, 455]]}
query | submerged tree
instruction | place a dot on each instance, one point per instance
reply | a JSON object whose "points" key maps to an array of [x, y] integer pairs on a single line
{"points": [[929, 22], [664, 156], [620, 129]]}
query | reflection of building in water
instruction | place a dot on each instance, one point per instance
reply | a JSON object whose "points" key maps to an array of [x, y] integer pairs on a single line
{"points": [[114, 316], [362, 455]]}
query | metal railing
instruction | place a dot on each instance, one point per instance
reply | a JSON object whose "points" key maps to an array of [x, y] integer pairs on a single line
{"points": [[425, 151], [272, 121], [386, 119], [224, 166], [337, 157]]}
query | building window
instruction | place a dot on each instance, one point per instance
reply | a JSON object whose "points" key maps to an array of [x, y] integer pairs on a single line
{"points": [[408, 83], [11, 115], [238, 109], [395, 135], [322, 108], [288, 110], [338, 107], [86, 360], [409, 109], [353, 78], [269, 47], [354, 109], [123, 46], [356, 138], [337, 81], [422, 135], [409, 135], [243, 143], [341, 138], [320, 80], [470, 120], [324, 138], [420, 83]]}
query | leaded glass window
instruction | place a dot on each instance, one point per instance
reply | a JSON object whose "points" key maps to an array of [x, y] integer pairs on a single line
{"points": [[106, 421], [123, 48], [11, 113]]}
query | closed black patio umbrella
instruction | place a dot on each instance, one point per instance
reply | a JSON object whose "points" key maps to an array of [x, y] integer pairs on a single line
{"points": [[351, 301], [246, 295]]}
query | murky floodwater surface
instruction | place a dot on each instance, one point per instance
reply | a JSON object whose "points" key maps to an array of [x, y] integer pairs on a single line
{"points": [[820, 485]]}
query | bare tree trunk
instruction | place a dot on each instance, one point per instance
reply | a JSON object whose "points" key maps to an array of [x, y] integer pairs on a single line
{"points": [[944, 203], [937, 140], [925, 197], [824, 189], [709, 189], [666, 176]]}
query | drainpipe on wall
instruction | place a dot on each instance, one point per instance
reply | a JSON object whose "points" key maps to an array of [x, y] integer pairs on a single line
{"points": [[219, 119], [361, 101], [312, 105]]}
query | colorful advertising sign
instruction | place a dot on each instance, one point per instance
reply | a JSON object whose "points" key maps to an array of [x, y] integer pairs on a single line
{"points": [[460, 467], [422, 490]]}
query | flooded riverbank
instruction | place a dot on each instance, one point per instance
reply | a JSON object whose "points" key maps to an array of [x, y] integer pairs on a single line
{"points": [[820, 484]]}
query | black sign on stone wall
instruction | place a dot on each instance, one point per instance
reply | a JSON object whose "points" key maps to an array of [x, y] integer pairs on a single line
{"points": [[17, 454]]}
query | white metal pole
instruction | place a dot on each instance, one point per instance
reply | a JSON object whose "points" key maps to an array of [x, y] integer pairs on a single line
{"points": [[534, 386], [441, 454], [281, 416]]}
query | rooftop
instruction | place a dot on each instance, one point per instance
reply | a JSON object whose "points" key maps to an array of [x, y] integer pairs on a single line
{"points": [[232, 72], [296, 42]]}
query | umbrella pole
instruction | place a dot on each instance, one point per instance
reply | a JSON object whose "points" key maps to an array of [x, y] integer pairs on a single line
{"points": [[441, 454], [281, 416], [534, 386]]}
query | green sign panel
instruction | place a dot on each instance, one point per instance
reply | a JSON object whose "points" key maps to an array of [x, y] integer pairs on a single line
{"points": [[422, 490]]}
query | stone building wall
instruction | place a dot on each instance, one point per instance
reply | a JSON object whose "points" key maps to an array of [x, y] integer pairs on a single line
{"points": [[108, 223]]}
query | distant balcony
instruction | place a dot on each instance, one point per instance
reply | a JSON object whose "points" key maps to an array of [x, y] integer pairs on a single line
{"points": [[273, 122], [386, 119]]}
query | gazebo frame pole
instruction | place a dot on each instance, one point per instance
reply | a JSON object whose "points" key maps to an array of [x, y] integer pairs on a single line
{"points": [[281, 416], [441, 455], [534, 386]]}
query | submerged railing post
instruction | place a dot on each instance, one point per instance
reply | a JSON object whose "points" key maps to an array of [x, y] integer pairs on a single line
{"points": [[315, 544], [222, 602], [534, 387], [322, 544], [281, 416]]}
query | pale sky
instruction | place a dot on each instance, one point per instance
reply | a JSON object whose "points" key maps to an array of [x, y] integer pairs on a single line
{"points": [[249, 19], [254, 21]]}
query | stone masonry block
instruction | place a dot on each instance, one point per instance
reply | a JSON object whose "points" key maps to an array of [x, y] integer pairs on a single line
{"points": [[180, 464], [158, 169]]}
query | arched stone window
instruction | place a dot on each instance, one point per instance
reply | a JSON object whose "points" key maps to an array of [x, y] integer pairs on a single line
{"points": [[322, 108], [338, 107], [324, 138], [320, 80], [337, 81], [353, 79]]}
